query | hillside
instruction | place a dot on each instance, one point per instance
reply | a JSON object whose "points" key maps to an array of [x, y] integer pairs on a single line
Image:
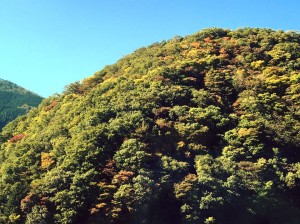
{"points": [[196, 129], [15, 101]]}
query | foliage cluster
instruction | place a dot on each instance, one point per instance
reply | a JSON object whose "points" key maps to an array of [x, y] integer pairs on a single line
{"points": [[200, 129]]}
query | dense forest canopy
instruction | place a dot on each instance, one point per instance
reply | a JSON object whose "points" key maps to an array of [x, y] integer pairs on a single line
{"points": [[196, 129], [15, 101]]}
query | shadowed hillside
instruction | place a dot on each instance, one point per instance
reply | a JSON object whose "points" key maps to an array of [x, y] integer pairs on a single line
{"points": [[15, 101]]}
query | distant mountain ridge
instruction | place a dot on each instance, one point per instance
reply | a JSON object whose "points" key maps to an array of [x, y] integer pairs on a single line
{"points": [[6, 85], [15, 101]]}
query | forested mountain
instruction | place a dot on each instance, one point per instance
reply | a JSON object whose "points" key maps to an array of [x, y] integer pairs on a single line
{"points": [[196, 129], [15, 101]]}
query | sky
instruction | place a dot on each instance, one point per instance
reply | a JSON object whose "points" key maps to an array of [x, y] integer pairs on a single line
{"points": [[48, 44]]}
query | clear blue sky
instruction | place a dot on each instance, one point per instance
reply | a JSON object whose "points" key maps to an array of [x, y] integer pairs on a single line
{"points": [[47, 44]]}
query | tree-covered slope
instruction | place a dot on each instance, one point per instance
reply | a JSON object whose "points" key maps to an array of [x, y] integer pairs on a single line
{"points": [[15, 101], [200, 129]]}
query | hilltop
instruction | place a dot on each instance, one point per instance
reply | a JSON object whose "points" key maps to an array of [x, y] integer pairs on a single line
{"points": [[197, 129], [15, 101]]}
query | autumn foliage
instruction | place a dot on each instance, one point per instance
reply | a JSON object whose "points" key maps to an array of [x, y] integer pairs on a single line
{"points": [[197, 129]]}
